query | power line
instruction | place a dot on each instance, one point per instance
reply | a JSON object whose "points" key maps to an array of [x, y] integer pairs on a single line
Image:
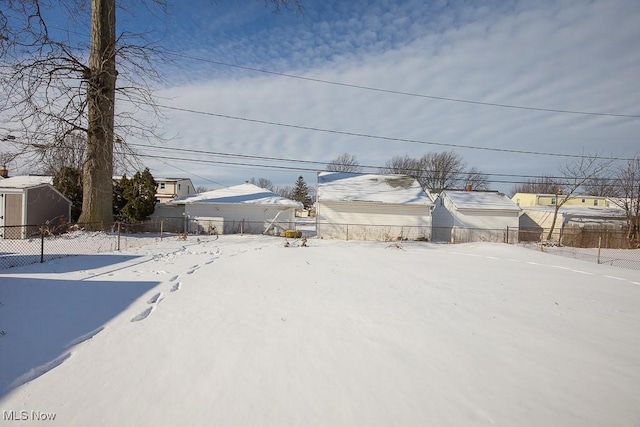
{"points": [[385, 138], [416, 95], [307, 169], [322, 163]]}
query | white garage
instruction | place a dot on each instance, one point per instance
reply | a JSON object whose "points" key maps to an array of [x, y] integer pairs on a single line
{"points": [[244, 208], [372, 207]]}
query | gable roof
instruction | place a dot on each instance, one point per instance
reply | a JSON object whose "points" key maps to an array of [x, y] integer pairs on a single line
{"points": [[351, 187], [480, 200], [24, 182], [244, 194]]}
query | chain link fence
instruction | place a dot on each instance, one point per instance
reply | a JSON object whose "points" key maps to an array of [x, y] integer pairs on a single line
{"points": [[41, 243], [28, 244]]}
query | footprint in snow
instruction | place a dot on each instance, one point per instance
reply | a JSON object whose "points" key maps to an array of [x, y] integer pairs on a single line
{"points": [[39, 370], [143, 315], [176, 287], [174, 278], [85, 337], [156, 298], [193, 269]]}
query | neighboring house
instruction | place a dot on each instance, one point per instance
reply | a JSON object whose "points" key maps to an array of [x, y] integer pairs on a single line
{"points": [[244, 208], [371, 207], [172, 188], [29, 201], [531, 199], [471, 216], [575, 225]]}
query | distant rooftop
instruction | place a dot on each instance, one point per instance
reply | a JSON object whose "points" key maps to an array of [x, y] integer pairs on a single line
{"points": [[247, 194]]}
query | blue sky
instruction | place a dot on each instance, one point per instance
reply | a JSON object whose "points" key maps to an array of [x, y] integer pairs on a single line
{"points": [[560, 55]]}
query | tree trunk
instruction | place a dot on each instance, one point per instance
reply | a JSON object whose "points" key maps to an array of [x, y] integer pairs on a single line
{"points": [[97, 171], [553, 223]]}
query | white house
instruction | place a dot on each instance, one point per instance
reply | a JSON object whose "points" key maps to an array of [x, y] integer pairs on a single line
{"points": [[244, 208], [469, 216], [26, 202], [371, 207], [168, 189]]}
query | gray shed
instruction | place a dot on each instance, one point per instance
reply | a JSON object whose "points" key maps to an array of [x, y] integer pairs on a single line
{"points": [[29, 201]]}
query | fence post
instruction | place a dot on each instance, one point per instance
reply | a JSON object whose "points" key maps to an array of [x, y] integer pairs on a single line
{"points": [[41, 244], [118, 236], [506, 240], [599, 244], [347, 231], [161, 229]]}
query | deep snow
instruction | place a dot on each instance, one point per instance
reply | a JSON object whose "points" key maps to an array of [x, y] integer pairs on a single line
{"points": [[241, 330]]}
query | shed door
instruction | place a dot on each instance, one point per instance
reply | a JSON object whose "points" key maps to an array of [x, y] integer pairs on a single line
{"points": [[12, 216], [2, 216]]}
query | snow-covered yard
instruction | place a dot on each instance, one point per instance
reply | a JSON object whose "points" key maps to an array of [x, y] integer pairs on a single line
{"points": [[244, 331]]}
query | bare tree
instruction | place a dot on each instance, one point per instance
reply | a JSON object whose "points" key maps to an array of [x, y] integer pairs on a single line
{"points": [[344, 163], [575, 174], [628, 183], [404, 165], [51, 94], [201, 189], [70, 153], [604, 186], [542, 185], [477, 179], [263, 183], [285, 191], [437, 171], [443, 170], [53, 83]]}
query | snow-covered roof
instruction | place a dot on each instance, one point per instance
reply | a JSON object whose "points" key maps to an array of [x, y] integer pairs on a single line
{"points": [[23, 182], [480, 200], [350, 187], [581, 211], [245, 194]]}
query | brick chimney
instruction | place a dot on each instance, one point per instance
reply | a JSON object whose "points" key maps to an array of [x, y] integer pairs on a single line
{"points": [[469, 187], [4, 172]]}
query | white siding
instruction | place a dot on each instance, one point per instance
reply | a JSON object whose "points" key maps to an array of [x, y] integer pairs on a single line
{"points": [[251, 219], [453, 225], [227, 219], [372, 221]]}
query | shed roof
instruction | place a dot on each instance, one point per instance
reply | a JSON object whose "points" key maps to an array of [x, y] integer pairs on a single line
{"points": [[481, 200], [351, 187], [244, 194], [24, 182]]}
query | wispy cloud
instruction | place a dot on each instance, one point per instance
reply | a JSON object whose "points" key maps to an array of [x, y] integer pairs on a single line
{"points": [[558, 55]]}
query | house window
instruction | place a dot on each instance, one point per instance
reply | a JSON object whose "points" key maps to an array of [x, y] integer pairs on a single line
{"points": [[162, 185], [553, 201], [583, 200], [178, 186], [595, 202]]}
